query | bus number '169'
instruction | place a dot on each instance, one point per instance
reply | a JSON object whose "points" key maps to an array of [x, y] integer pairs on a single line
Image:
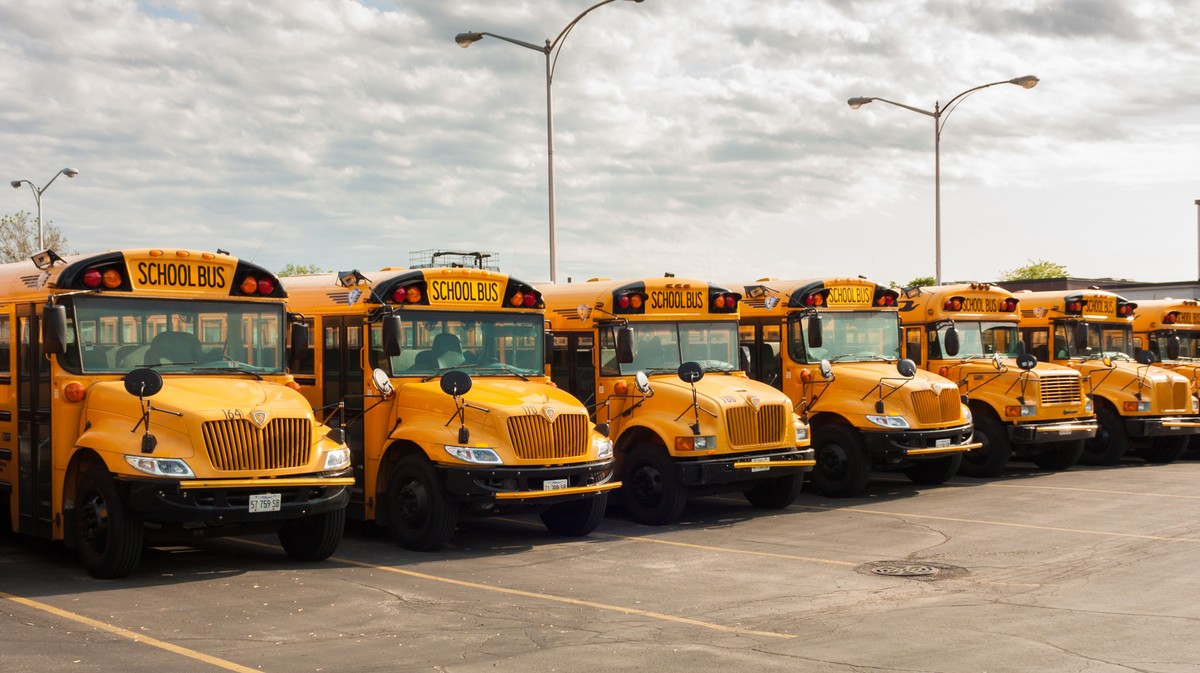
{"points": [[180, 275]]}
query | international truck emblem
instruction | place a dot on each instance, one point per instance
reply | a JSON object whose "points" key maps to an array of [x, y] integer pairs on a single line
{"points": [[551, 413], [259, 418], [755, 401]]}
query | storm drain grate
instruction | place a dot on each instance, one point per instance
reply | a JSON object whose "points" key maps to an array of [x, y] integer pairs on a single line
{"points": [[920, 570]]}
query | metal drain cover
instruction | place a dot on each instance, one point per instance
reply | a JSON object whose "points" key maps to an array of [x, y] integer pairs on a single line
{"points": [[921, 570]]}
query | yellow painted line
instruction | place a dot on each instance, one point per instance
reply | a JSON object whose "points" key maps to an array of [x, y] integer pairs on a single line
{"points": [[136, 637], [1090, 490], [546, 597], [1081, 531]]}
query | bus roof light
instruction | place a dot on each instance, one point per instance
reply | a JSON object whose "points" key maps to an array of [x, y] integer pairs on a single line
{"points": [[249, 285], [529, 300], [112, 279], [92, 278], [266, 287]]}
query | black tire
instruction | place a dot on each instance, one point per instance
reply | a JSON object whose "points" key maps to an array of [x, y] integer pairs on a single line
{"points": [[775, 492], [1164, 450], [1111, 441], [934, 471], [652, 492], [1059, 455], [420, 513], [313, 538], [577, 517], [990, 459], [843, 466], [110, 538]]}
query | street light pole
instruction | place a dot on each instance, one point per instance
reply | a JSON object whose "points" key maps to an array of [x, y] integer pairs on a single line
{"points": [[37, 198], [551, 48], [940, 114], [1197, 239]]}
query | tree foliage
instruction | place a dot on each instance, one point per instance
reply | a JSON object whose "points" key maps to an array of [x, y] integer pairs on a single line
{"points": [[293, 269], [1035, 270], [19, 237], [919, 281]]}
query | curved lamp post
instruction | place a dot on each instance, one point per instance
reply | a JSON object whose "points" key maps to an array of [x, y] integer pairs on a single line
{"points": [[939, 115], [37, 197], [551, 48]]}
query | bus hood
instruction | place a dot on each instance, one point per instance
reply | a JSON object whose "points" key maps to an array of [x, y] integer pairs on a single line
{"points": [[925, 401], [201, 398], [494, 394], [716, 391]]}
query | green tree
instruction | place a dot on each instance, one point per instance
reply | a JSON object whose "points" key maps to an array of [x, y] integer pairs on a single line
{"points": [[19, 237], [1035, 270], [919, 281], [293, 269]]}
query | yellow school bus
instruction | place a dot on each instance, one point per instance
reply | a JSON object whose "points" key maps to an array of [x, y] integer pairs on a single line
{"points": [[1170, 329], [657, 361], [1022, 408], [438, 376], [1139, 406], [833, 345], [143, 394]]}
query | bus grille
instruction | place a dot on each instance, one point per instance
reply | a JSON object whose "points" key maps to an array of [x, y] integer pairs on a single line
{"points": [[1173, 396], [536, 438], [769, 426], [1060, 389], [934, 408], [238, 444]]}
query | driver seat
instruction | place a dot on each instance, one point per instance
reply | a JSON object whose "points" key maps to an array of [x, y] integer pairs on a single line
{"points": [[174, 347]]}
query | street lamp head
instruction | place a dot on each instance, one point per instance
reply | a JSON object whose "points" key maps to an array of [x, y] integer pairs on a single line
{"points": [[70, 172], [1027, 82], [464, 40], [856, 103], [16, 184]]}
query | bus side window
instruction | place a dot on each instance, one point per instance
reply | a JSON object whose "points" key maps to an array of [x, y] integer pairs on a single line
{"points": [[5, 349], [1038, 343], [935, 346], [912, 344], [304, 364]]}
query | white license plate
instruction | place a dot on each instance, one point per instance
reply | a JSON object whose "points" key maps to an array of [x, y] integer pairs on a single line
{"points": [[555, 484], [942, 442], [760, 460], [265, 502]]}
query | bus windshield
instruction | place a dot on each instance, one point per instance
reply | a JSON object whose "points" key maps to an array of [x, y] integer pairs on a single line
{"points": [[1189, 345], [1092, 340], [848, 336], [981, 339], [481, 343], [110, 334], [660, 348]]}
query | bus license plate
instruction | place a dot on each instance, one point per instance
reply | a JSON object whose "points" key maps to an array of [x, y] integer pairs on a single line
{"points": [[764, 459], [942, 442], [555, 484], [265, 502]]}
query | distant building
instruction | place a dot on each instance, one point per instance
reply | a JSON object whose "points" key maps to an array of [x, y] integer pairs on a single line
{"points": [[1129, 289]]}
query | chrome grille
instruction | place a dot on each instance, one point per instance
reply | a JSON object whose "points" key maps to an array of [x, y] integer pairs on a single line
{"points": [[770, 426], [238, 444], [1060, 389], [536, 438], [934, 408], [1173, 396]]}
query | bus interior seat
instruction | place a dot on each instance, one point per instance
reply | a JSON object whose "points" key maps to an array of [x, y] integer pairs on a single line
{"points": [[1041, 352], [424, 361], [174, 347], [131, 355]]}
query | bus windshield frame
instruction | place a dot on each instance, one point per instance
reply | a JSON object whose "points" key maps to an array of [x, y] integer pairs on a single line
{"points": [[847, 336], [660, 347], [114, 334], [1103, 339], [489, 343], [1189, 344], [981, 339]]}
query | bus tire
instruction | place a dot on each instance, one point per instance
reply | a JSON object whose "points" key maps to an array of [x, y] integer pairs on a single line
{"points": [[313, 538], [775, 492], [652, 492], [1059, 456], [1111, 441], [843, 466], [110, 538], [420, 513], [934, 471], [575, 518], [1164, 450], [990, 459]]}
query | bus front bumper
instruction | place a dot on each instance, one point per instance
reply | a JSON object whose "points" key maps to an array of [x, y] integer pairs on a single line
{"points": [[529, 485], [216, 502], [731, 469], [1162, 426], [1054, 431], [893, 447]]}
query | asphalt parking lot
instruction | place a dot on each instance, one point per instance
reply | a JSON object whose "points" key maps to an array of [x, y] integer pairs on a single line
{"points": [[1093, 569]]}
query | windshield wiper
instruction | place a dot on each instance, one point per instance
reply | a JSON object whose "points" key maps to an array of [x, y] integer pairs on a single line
{"points": [[238, 368], [506, 368]]}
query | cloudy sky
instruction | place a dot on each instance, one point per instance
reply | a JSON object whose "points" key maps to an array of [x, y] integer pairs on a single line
{"points": [[708, 138]]}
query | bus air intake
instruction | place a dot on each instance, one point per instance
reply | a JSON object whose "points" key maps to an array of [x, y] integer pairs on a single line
{"points": [[769, 427], [935, 408], [537, 438], [238, 445]]}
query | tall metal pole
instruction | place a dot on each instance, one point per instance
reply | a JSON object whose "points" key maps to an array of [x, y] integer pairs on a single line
{"points": [[37, 198], [1197, 239], [550, 166], [937, 195]]}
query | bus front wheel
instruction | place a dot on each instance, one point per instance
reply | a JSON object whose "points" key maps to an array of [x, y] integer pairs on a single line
{"points": [[652, 492], [1059, 455], [990, 459], [775, 492], [420, 513], [843, 466], [1111, 440], [313, 538], [110, 538], [577, 517], [1164, 449]]}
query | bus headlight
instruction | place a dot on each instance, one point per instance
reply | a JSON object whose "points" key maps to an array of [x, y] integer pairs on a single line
{"points": [[888, 421], [801, 433], [337, 459], [160, 467], [1019, 410], [696, 443], [470, 454], [1135, 406], [603, 447], [967, 415]]}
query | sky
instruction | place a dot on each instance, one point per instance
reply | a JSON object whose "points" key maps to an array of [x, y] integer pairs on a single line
{"points": [[706, 138]]}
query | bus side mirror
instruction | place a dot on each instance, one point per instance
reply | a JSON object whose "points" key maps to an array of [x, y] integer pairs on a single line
{"points": [[815, 337], [1173, 347], [952, 341], [54, 328], [1144, 357], [624, 345], [299, 340], [392, 328]]}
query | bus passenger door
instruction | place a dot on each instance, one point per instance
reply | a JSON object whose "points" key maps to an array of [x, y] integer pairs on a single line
{"points": [[342, 381], [573, 369], [34, 464]]}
